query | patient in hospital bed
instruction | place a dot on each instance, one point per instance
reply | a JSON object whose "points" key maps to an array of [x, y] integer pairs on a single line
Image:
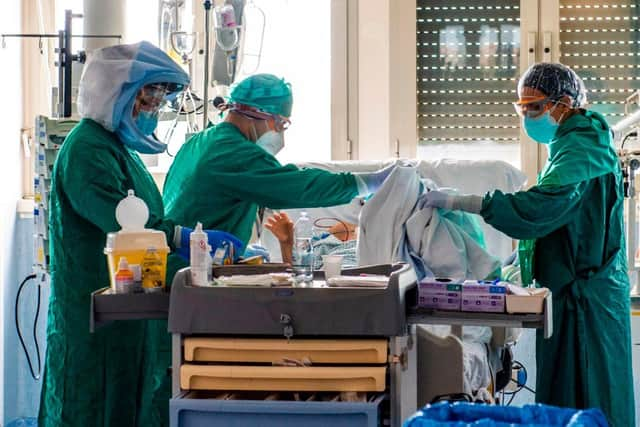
{"points": [[476, 348], [338, 238]]}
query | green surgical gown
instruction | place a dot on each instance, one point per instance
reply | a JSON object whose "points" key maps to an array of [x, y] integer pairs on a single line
{"points": [[116, 376], [575, 215], [219, 178]]}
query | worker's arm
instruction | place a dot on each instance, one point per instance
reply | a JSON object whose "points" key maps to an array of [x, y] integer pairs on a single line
{"points": [[268, 183], [533, 213]]}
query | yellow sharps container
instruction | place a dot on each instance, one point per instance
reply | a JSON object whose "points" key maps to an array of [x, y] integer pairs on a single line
{"points": [[133, 241]]}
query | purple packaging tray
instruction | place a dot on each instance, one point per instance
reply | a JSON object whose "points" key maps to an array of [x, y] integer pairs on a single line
{"points": [[440, 294], [472, 287], [483, 303]]}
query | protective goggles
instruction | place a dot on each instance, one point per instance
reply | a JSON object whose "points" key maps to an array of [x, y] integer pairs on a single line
{"points": [[279, 123], [152, 97], [533, 106]]}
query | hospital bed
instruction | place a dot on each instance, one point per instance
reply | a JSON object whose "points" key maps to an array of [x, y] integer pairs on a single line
{"points": [[471, 355]]}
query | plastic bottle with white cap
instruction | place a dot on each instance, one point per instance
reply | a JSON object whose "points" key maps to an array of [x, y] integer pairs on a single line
{"points": [[198, 244]]}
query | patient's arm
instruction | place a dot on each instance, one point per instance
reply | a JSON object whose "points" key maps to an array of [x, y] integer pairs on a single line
{"points": [[344, 231], [282, 227]]}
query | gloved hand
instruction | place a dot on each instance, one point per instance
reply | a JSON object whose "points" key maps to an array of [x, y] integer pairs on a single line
{"points": [[215, 238], [254, 250], [373, 180], [440, 199]]}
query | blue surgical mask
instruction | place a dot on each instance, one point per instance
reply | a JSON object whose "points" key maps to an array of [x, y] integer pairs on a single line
{"points": [[271, 141], [130, 132], [147, 121], [541, 129]]}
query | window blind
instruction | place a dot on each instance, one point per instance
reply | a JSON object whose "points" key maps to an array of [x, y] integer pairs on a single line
{"points": [[600, 41], [468, 57]]}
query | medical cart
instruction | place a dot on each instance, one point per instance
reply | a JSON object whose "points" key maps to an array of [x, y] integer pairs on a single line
{"points": [[233, 338]]}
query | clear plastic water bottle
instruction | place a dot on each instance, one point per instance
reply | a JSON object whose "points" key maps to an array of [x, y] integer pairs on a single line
{"points": [[303, 250]]}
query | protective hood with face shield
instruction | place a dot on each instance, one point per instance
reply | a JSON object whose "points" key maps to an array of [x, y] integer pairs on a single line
{"points": [[123, 87], [268, 99]]}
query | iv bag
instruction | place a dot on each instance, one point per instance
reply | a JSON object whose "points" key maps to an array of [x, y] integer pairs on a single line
{"points": [[226, 27]]}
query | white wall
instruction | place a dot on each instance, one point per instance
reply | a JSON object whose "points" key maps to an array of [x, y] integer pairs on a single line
{"points": [[10, 173]]}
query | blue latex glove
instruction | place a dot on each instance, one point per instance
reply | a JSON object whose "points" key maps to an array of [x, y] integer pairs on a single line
{"points": [[215, 239], [373, 180], [440, 199], [255, 250]]}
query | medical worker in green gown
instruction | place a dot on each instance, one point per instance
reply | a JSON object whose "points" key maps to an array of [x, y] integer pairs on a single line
{"points": [[571, 232], [222, 175], [116, 376]]}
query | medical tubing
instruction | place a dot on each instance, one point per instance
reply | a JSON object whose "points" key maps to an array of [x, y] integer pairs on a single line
{"points": [[627, 136], [521, 386], [35, 326], [316, 224]]}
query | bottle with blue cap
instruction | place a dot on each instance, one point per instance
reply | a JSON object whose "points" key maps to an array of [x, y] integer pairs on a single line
{"points": [[303, 250]]}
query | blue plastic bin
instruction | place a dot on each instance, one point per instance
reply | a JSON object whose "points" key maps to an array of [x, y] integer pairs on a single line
{"points": [[23, 422], [464, 414], [187, 412]]}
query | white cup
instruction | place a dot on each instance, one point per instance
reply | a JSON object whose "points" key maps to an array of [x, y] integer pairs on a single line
{"points": [[332, 265]]}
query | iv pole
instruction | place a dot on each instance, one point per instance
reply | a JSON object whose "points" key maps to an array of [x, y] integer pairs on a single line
{"points": [[65, 58], [207, 37]]}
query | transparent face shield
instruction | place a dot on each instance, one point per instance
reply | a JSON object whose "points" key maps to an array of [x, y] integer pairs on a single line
{"points": [[146, 110]]}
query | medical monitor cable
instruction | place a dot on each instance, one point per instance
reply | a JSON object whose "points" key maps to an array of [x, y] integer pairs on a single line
{"points": [[521, 382], [627, 136], [35, 325]]}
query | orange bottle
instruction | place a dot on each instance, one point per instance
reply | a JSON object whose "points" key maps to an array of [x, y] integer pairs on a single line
{"points": [[123, 277]]}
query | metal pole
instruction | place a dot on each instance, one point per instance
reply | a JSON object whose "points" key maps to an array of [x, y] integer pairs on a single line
{"points": [[207, 36], [60, 73], [176, 24], [632, 221], [68, 63], [631, 226], [79, 36]]}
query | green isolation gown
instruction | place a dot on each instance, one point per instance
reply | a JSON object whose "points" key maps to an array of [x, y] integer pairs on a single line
{"points": [[573, 222], [117, 376], [220, 178]]}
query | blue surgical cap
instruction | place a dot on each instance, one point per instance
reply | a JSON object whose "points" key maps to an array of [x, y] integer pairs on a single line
{"points": [[555, 81]]}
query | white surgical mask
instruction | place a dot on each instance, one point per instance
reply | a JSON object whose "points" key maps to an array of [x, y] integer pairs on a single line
{"points": [[271, 141]]}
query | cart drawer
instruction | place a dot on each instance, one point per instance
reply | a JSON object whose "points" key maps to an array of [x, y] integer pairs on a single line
{"points": [[192, 411], [274, 350], [282, 378]]}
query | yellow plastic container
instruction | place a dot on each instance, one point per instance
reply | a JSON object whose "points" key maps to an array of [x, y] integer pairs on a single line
{"points": [[134, 245]]}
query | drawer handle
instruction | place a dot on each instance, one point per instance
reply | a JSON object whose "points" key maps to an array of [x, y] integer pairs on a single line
{"points": [[287, 325]]}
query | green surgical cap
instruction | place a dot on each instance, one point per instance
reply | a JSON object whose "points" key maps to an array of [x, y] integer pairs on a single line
{"points": [[265, 92]]}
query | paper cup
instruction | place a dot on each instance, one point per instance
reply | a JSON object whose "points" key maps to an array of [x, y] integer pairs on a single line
{"points": [[332, 265]]}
